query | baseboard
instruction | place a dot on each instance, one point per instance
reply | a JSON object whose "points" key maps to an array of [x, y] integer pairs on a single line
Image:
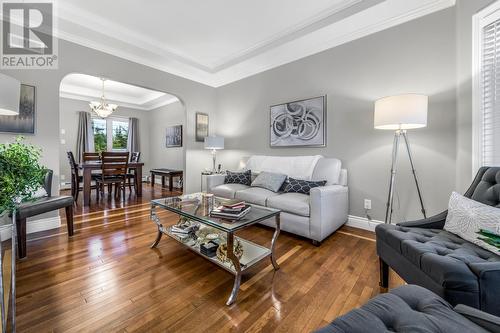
{"points": [[35, 226], [362, 223]]}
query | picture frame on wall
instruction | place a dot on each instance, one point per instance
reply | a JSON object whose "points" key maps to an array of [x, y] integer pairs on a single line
{"points": [[300, 123], [24, 123], [201, 131], [173, 136]]}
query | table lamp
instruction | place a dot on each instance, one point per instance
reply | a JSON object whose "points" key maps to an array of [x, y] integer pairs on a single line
{"points": [[214, 143], [10, 91], [401, 113]]}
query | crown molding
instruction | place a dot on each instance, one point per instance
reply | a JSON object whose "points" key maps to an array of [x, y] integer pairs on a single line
{"points": [[87, 30], [151, 105]]}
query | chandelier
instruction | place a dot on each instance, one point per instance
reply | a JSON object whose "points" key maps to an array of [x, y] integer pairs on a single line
{"points": [[101, 108]]}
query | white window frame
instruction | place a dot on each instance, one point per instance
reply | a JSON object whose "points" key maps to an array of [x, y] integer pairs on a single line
{"points": [[109, 130], [480, 20]]}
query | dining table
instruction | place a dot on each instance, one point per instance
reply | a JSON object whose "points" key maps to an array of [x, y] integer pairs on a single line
{"points": [[89, 166]]}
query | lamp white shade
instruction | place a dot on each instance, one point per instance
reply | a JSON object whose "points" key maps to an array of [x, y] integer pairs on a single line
{"points": [[10, 91], [401, 112], [214, 142]]}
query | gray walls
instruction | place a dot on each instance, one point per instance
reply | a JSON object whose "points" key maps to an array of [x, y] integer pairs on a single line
{"points": [[68, 121], [415, 57], [159, 119]]}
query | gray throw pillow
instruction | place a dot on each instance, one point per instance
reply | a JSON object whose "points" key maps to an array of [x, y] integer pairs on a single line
{"points": [[474, 221], [269, 180]]}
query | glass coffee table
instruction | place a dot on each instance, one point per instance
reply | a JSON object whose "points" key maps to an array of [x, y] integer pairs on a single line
{"points": [[234, 254]]}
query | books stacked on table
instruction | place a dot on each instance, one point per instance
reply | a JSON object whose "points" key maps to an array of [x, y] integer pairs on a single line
{"points": [[231, 210], [182, 231]]}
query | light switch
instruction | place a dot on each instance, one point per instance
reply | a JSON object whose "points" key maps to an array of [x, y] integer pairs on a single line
{"points": [[63, 142], [63, 131]]}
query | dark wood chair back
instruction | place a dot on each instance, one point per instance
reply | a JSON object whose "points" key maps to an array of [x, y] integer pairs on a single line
{"points": [[114, 164], [89, 157], [135, 156], [72, 163]]}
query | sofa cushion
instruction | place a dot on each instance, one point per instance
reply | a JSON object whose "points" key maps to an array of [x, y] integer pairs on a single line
{"points": [[244, 177], [441, 255], [228, 190], [269, 180], [405, 309], [467, 217], [295, 203], [302, 186], [255, 195]]}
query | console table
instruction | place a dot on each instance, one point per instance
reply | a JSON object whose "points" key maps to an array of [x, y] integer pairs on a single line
{"points": [[170, 173]]}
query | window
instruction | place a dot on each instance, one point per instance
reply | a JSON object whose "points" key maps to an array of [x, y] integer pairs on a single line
{"points": [[120, 134], [486, 87], [99, 128], [110, 134]]}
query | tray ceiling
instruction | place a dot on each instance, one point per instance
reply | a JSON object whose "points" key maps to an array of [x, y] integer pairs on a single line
{"points": [[220, 41]]}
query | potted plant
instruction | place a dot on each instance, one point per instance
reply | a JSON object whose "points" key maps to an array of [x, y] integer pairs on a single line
{"points": [[21, 175]]}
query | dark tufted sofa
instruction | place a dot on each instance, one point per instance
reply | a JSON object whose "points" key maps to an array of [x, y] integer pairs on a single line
{"points": [[422, 253], [412, 309]]}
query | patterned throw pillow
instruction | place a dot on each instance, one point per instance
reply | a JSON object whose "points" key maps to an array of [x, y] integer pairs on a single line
{"points": [[474, 221], [244, 178], [269, 180], [302, 186]]}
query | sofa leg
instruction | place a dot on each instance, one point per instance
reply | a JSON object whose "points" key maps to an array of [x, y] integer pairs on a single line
{"points": [[316, 243], [69, 220], [21, 238], [384, 274]]}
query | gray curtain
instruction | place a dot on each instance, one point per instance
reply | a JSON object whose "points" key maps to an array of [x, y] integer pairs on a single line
{"points": [[133, 135], [85, 135]]}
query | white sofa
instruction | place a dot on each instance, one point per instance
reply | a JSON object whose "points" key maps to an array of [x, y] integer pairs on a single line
{"points": [[314, 216]]}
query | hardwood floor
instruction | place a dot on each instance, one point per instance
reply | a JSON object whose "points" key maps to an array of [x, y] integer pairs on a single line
{"points": [[106, 278]]}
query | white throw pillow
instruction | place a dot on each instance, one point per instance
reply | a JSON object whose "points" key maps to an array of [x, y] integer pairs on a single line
{"points": [[466, 217]]}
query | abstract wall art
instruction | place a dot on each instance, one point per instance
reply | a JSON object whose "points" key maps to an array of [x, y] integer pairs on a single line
{"points": [[299, 124], [24, 123]]}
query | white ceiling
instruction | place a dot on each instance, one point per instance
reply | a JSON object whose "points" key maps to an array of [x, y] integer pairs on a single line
{"points": [[89, 88], [220, 41]]}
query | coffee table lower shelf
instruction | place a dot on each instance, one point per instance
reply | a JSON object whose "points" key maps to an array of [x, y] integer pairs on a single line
{"points": [[252, 253]]}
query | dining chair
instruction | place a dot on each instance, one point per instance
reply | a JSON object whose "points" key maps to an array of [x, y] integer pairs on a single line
{"points": [[114, 166], [93, 157], [131, 175], [89, 157], [76, 179]]}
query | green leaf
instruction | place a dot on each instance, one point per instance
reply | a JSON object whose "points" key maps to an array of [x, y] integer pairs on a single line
{"points": [[20, 173]]}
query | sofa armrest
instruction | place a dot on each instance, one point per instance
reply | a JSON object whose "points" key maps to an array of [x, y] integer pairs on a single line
{"points": [[488, 275], [433, 222], [214, 180], [481, 318], [328, 210]]}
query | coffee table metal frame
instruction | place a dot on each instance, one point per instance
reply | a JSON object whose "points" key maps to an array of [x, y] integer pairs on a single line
{"points": [[236, 268]]}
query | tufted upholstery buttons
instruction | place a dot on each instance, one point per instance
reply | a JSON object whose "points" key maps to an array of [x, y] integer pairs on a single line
{"points": [[405, 309], [487, 190]]}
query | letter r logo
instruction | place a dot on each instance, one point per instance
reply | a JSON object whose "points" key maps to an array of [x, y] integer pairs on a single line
{"points": [[27, 28]]}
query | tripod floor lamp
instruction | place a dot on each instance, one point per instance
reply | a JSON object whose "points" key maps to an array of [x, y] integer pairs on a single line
{"points": [[401, 113]]}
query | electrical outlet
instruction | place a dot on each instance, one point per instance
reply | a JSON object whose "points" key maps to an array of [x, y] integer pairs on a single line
{"points": [[63, 177], [368, 204]]}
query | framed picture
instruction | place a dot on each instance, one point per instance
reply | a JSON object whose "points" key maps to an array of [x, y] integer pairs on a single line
{"points": [[24, 123], [201, 126], [174, 136], [299, 123]]}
